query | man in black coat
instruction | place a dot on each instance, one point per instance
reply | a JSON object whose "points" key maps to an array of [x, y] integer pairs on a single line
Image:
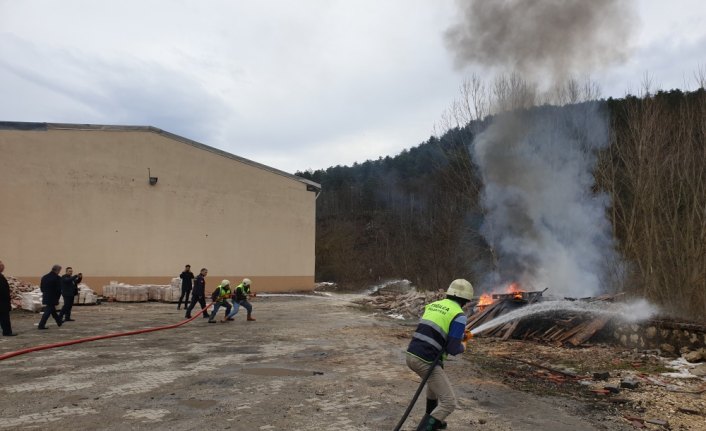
{"points": [[51, 291], [5, 306], [199, 294], [187, 278], [69, 290]]}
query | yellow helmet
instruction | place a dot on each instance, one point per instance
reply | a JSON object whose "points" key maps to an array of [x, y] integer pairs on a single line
{"points": [[461, 288]]}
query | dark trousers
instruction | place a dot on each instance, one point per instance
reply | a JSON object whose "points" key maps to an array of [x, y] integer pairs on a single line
{"points": [[185, 296], [49, 310], [68, 305], [5, 323], [201, 300]]}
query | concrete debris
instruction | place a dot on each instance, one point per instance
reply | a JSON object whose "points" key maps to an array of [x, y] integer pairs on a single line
{"points": [[17, 289], [601, 375], [29, 297], [629, 382], [695, 356]]}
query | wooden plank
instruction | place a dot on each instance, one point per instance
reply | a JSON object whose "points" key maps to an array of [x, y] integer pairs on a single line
{"points": [[511, 329], [588, 331]]}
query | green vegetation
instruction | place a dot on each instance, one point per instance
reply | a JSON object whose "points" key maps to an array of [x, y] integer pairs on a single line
{"points": [[417, 215]]}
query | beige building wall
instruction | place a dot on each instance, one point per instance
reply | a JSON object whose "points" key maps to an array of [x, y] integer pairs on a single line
{"points": [[80, 196]]}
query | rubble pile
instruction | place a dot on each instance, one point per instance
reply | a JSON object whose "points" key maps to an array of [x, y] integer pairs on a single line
{"points": [[17, 289], [641, 387], [121, 292], [27, 296], [408, 305]]}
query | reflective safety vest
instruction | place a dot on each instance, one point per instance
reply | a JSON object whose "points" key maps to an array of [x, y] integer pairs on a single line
{"points": [[241, 292], [432, 332], [223, 291]]}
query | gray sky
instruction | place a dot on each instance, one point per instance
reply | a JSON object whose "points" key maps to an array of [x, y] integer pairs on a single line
{"points": [[291, 84]]}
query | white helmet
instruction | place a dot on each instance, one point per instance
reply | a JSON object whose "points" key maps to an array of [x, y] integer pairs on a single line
{"points": [[461, 288], [246, 282], [225, 283]]}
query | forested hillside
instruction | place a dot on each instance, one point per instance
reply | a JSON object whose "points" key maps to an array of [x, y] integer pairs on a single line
{"points": [[417, 215]]}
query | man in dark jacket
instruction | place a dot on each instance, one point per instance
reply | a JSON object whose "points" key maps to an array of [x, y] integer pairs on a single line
{"points": [[199, 294], [5, 306], [187, 278], [69, 290], [51, 291]]}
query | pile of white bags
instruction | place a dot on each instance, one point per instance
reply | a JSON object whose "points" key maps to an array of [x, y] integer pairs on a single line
{"points": [[122, 292], [86, 295], [166, 293], [32, 301]]}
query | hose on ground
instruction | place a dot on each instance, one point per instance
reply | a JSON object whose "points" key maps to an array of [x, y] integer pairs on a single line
{"points": [[419, 391], [9, 355]]}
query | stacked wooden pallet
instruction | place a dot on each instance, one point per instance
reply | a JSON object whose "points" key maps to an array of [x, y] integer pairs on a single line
{"points": [[559, 328]]}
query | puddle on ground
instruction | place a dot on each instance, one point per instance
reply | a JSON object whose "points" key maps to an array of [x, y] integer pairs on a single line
{"points": [[279, 372]]}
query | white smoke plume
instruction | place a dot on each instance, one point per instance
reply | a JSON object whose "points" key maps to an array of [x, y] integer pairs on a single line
{"points": [[545, 223]]}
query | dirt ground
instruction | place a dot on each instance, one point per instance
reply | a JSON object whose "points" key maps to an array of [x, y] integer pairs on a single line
{"points": [[308, 362]]}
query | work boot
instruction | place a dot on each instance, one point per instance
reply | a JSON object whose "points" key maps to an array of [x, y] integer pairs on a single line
{"points": [[211, 321], [251, 319], [429, 423], [69, 320], [431, 405], [188, 316], [11, 334]]}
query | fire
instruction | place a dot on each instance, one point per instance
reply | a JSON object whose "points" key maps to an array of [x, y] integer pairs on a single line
{"points": [[514, 288], [485, 299]]}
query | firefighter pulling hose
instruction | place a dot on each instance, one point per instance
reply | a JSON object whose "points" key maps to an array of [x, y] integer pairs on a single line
{"points": [[441, 331]]}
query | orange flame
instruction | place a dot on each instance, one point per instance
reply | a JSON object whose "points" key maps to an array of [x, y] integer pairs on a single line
{"points": [[485, 299], [514, 288]]}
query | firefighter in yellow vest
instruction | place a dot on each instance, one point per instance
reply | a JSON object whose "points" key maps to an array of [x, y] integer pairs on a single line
{"points": [[242, 293], [220, 299], [441, 331]]}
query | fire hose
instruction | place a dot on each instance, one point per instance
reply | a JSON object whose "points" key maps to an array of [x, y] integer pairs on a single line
{"points": [[9, 355], [419, 391], [467, 336]]}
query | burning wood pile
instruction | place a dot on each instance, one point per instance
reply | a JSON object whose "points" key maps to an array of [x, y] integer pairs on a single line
{"points": [[560, 327]]}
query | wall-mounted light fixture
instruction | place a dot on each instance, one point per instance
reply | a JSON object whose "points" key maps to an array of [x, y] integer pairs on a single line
{"points": [[153, 180]]}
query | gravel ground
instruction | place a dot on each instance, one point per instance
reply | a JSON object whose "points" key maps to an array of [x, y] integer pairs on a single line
{"points": [[308, 362]]}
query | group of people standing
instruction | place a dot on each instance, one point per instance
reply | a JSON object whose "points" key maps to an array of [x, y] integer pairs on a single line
{"points": [[54, 287], [196, 287]]}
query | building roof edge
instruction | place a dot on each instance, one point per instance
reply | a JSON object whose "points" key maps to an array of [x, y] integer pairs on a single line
{"points": [[37, 126]]}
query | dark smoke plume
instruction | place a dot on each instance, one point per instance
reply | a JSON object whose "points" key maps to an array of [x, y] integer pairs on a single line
{"points": [[561, 38]]}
